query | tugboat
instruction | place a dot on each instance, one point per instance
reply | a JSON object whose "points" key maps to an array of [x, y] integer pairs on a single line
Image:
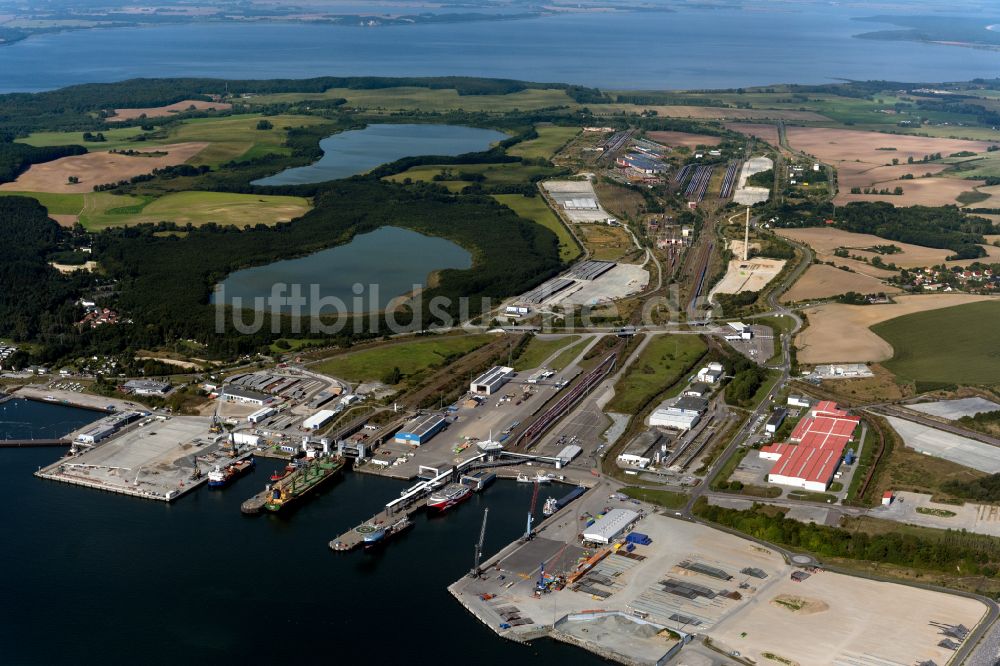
{"points": [[279, 474], [550, 507], [222, 477]]}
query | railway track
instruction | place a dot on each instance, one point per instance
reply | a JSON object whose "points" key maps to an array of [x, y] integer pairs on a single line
{"points": [[730, 180], [699, 183]]}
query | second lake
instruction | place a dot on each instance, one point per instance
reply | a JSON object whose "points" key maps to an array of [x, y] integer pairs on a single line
{"points": [[357, 151]]}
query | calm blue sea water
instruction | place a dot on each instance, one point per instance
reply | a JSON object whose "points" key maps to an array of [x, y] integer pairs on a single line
{"points": [[686, 49], [357, 151], [30, 419], [392, 259], [94, 578]]}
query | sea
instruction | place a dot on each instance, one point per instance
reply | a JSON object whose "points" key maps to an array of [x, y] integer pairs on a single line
{"points": [[691, 48], [96, 578]]}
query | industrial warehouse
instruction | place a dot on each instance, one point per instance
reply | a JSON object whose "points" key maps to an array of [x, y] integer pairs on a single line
{"points": [[491, 381], [818, 449], [421, 429]]}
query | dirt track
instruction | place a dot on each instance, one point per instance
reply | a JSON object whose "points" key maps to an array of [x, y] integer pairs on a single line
{"points": [[840, 333], [99, 168]]}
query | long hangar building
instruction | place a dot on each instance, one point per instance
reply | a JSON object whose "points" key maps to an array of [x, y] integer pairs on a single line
{"points": [[421, 429], [491, 381]]}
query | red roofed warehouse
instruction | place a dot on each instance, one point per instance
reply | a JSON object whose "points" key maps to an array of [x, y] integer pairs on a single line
{"points": [[819, 442]]}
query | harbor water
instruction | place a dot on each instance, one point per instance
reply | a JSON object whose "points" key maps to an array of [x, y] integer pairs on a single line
{"points": [[95, 578]]}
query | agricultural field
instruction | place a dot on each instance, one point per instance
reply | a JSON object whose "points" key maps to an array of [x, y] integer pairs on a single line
{"points": [[411, 357], [950, 345], [539, 349], [427, 100], [859, 157], [535, 208], [98, 210], [507, 173], [710, 112], [763, 131], [683, 139], [550, 139], [933, 191], [661, 364], [822, 281], [115, 138], [825, 241], [100, 168], [168, 110], [198, 208], [229, 137], [839, 333]]}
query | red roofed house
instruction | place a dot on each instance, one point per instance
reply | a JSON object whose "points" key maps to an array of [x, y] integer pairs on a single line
{"points": [[820, 440]]}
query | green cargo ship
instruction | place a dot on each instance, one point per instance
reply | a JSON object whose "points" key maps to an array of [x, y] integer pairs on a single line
{"points": [[302, 481]]}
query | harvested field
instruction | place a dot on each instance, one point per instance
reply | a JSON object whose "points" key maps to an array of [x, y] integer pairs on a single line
{"points": [[168, 110], [841, 145], [824, 240], [763, 131], [98, 168], [683, 139], [822, 281], [864, 159], [714, 112], [883, 174], [933, 191], [840, 333]]}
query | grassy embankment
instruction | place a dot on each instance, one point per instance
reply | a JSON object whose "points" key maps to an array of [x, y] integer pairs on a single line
{"points": [[412, 357], [538, 350], [664, 361]]}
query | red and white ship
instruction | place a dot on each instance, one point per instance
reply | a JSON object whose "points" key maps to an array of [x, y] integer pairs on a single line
{"points": [[447, 497]]}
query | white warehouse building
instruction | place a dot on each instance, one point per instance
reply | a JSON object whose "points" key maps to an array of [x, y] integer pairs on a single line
{"points": [[318, 420], [672, 417], [491, 381], [610, 526]]}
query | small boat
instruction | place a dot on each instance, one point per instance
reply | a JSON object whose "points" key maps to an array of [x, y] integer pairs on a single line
{"points": [[550, 507], [279, 474], [537, 478]]}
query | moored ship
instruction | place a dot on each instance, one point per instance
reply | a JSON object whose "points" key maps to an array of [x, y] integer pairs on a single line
{"points": [[301, 482], [448, 496], [381, 534], [222, 477]]}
